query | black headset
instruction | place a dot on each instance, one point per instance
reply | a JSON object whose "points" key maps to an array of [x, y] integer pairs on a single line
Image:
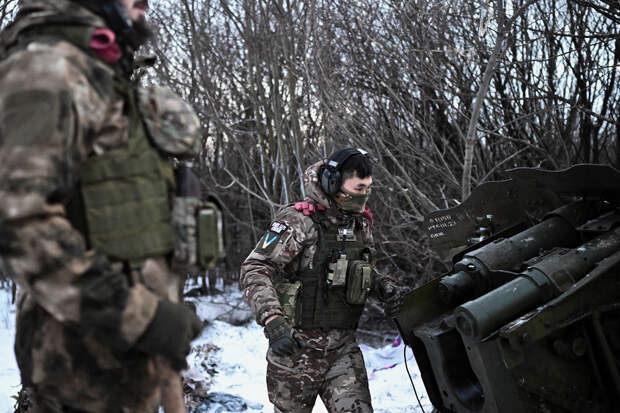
{"points": [[330, 176]]}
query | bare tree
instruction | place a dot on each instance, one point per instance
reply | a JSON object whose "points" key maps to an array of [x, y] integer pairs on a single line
{"points": [[446, 95], [8, 8]]}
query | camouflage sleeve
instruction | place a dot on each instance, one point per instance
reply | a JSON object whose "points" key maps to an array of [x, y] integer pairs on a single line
{"points": [[287, 236], [48, 110]]}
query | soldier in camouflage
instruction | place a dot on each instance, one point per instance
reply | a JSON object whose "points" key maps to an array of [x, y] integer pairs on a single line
{"points": [[86, 195], [307, 280]]}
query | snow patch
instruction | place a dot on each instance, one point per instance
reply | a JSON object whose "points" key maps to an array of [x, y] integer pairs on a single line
{"points": [[241, 364], [9, 373], [236, 363]]}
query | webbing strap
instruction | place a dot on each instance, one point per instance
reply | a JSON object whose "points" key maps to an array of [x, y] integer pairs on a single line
{"points": [[77, 34]]}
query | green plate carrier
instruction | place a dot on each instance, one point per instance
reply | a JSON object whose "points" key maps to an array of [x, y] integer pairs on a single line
{"points": [[126, 198]]}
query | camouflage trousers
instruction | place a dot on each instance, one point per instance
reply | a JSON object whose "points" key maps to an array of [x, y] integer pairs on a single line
{"points": [[337, 376]]}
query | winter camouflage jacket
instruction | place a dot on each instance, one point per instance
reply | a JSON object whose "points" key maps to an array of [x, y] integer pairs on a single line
{"points": [[294, 251], [79, 313]]}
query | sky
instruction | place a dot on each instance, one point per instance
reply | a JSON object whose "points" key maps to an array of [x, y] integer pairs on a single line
{"points": [[232, 360]]}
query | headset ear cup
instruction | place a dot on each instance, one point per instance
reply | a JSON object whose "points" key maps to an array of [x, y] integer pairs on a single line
{"points": [[330, 180], [334, 181], [323, 180]]}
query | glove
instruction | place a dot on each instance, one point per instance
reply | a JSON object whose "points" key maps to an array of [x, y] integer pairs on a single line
{"points": [[282, 338], [170, 333], [392, 296]]}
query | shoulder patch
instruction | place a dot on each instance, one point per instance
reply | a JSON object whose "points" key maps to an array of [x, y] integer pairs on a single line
{"points": [[30, 116], [278, 227], [268, 242]]}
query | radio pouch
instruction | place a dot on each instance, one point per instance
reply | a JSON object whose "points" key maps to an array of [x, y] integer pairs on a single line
{"points": [[210, 235], [358, 282]]}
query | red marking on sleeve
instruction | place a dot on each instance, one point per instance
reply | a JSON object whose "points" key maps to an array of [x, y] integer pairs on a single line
{"points": [[308, 208], [103, 43]]}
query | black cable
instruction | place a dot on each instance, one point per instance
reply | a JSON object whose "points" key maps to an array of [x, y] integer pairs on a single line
{"points": [[410, 379]]}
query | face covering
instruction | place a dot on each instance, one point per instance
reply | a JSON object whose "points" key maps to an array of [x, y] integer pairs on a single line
{"points": [[351, 202]]}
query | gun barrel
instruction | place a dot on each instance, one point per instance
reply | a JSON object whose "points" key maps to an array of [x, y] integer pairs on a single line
{"points": [[548, 278], [472, 276]]}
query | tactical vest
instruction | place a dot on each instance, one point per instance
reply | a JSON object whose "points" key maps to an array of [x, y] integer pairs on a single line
{"points": [[126, 196], [319, 304], [122, 201]]}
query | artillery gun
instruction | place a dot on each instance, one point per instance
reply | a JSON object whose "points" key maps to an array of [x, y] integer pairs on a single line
{"points": [[528, 319]]}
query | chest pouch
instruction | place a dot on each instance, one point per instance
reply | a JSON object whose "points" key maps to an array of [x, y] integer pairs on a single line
{"points": [[337, 272], [288, 295], [359, 279]]}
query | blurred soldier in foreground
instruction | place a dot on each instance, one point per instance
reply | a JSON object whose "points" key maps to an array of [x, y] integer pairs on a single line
{"points": [[307, 281], [86, 195]]}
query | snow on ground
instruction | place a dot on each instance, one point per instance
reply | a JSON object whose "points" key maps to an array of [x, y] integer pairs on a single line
{"points": [[240, 361], [242, 365], [9, 374]]}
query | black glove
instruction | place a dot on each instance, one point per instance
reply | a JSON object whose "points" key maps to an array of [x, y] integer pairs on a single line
{"points": [[392, 296], [282, 338], [171, 332]]}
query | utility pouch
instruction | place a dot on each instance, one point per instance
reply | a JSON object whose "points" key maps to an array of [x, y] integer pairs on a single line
{"points": [[199, 233], [173, 125], [337, 272], [358, 282], [198, 225], [288, 294], [210, 235]]}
